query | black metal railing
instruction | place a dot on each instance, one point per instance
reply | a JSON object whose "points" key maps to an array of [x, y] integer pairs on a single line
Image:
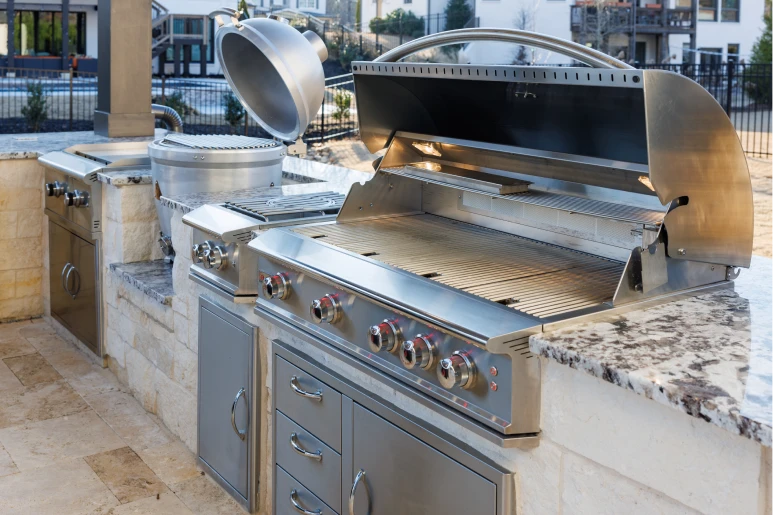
{"points": [[52, 101]]}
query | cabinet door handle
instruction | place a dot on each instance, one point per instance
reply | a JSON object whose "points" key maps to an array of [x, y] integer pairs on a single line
{"points": [[76, 283], [316, 456], [65, 271], [315, 396], [298, 507], [243, 433], [360, 476]]}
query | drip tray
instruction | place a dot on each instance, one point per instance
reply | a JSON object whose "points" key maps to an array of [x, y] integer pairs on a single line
{"points": [[274, 209]]}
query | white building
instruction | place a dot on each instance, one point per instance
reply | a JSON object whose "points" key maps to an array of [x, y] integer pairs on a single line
{"points": [[725, 29]]}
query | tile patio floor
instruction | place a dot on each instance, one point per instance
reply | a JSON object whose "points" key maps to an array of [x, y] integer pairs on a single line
{"points": [[74, 441]]}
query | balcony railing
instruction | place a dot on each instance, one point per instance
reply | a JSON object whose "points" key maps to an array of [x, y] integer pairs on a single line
{"points": [[619, 17]]}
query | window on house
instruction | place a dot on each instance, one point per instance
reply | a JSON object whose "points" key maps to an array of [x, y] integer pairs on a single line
{"points": [[40, 33], [307, 4], [707, 10], [710, 56], [407, 1], [733, 49], [731, 10]]}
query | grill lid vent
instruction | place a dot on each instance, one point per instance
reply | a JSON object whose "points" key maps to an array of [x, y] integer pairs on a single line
{"points": [[216, 142]]}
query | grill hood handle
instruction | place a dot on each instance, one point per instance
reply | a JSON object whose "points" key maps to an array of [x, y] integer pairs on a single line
{"points": [[592, 58]]}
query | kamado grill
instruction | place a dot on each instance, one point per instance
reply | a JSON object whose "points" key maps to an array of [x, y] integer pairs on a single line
{"points": [[511, 200]]}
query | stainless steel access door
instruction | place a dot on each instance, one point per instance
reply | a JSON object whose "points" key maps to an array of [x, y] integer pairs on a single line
{"points": [[406, 476], [74, 283], [227, 411]]}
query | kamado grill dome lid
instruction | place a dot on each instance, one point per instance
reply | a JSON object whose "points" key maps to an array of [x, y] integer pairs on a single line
{"points": [[274, 70]]}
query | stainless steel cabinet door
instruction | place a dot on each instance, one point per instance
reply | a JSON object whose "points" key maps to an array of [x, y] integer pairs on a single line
{"points": [[225, 368], [73, 269], [406, 476]]}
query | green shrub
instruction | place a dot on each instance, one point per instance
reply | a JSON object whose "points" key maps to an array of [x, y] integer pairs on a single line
{"points": [[343, 103], [398, 22], [35, 110], [177, 102], [234, 112], [458, 13]]}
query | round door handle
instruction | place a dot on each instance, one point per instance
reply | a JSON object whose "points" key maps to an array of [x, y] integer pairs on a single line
{"points": [[76, 284], [65, 271], [242, 434]]}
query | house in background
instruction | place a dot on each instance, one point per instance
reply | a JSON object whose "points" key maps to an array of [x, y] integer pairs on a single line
{"points": [[313, 7], [705, 31]]}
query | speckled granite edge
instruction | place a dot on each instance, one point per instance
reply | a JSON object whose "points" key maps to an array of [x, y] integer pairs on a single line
{"points": [[708, 356], [126, 177], [153, 278], [693, 405], [7, 156]]}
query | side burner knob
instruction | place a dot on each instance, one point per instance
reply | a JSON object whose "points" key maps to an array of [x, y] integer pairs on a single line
{"points": [[55, 189], [384, 336], [76, 199], [216, 257], [458, 370], [419, 352], [198, 250], [276, 287], [327, 310]]}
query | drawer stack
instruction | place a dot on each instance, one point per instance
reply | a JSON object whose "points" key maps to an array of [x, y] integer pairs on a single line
{"points": [[307, 436]]}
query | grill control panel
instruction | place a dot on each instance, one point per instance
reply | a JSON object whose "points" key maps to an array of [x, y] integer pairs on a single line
{"points": [[441, 365]]}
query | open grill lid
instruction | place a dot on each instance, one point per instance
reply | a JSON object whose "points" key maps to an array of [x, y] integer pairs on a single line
{"points": [[645, 132]]}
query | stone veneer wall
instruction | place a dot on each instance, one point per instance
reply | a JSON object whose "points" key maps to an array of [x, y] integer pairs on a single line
{"points": [[22, 233]]}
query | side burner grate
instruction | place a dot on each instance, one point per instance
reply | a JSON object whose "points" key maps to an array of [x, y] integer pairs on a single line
{"points": [[274, 208]]}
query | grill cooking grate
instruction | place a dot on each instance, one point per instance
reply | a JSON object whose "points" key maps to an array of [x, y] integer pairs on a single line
{"points": [[216, 142], [532, 277], [273, 208]]}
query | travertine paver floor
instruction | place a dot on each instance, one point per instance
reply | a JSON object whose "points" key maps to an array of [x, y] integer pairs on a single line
{"points": [[74, 441]]}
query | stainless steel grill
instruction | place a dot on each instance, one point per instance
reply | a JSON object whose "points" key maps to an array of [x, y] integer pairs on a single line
{"points": [[216, 142], [273, 208], [543, 198]]}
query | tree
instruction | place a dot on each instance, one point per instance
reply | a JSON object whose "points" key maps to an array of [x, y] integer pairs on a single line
{"points": [[761, 52], [242, 6], [358, 16], [600, 19], [523, 21], [35, 110], [234, 112], [458, 13]]}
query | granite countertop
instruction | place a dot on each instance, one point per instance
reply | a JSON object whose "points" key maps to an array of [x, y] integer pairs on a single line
{"points": [[153, 278], [708, 356], [298, 177], [32, 146], [126, 177]]}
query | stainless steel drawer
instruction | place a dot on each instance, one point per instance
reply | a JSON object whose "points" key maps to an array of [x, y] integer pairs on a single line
{"points": [[309, 402], [308, 460], [289, 491]]}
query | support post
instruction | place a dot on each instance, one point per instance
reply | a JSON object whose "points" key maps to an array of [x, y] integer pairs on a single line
{"points": [[693, 32], [177, 51], [10, 11], [203, 60], [71, 97], [124, 84], [187, 51], [66, 36], [729, 93]]}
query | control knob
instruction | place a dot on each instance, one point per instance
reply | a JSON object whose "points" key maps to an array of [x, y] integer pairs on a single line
{"points": [[419, 352], [385, 336], [216, 257], [458, 370], [276, 287], [327, 309], [55, 189], [198, 250], [76, 199]]}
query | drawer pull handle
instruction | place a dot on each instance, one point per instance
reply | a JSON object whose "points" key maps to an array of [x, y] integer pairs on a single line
{"points": [[360, 476], [317, 396], [317, 456], [299, 508], [242, 434]]}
